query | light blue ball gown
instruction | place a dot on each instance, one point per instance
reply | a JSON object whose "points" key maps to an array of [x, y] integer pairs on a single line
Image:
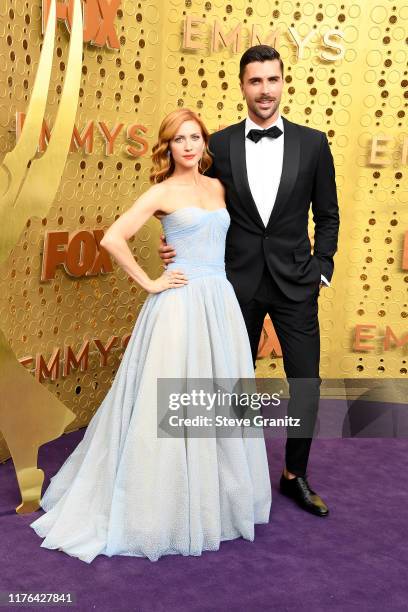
{"points": [[126, 491]]}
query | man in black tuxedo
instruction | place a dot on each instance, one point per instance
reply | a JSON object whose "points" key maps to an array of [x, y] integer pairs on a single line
{"points": [[272, 169]]}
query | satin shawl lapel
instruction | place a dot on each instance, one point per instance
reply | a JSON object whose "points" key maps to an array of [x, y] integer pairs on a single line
{"points": [[239, 172], [290, 168]]}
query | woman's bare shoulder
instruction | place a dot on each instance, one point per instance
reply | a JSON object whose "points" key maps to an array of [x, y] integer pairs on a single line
{"points": [[162, 194], [215, 184], [152, 199]]}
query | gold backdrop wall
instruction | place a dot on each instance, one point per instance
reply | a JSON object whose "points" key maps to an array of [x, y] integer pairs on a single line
{"points": [[357, 98]]}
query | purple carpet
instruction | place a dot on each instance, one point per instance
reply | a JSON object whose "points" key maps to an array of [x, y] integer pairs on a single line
{"points": [[356, 559]]}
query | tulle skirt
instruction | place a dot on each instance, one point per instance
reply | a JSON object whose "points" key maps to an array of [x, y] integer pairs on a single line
{"points": [[126, 491]]}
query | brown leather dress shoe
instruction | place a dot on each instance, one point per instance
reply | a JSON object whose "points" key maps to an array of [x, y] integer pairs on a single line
{"points": [[298, 489]]}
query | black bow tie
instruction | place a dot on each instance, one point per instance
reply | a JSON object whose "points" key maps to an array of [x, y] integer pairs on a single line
{"points": [[272, 132]]}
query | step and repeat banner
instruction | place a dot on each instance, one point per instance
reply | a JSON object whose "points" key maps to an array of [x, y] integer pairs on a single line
{"points": [[80, 106]]}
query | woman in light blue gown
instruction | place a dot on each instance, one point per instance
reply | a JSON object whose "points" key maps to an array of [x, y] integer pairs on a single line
{"points": [[125, 490]]}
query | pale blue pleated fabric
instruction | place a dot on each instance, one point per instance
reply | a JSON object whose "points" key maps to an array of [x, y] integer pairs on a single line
{"points": [[126, 491]]}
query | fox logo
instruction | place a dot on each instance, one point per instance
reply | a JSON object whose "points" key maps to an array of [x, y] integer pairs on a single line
{"points": [[99, 17]]}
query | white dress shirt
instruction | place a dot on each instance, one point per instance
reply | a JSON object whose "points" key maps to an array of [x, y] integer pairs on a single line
{"points": [[264, 161], [264, 167]]}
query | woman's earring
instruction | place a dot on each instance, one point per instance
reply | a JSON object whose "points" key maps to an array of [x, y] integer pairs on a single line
{"points": [[168, 153]]}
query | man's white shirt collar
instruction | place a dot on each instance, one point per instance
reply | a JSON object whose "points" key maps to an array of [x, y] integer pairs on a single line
{"points": [[251, 125]]}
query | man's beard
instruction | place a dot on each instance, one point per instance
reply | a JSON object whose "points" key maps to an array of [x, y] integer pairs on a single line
{"points": [[271, 111]]}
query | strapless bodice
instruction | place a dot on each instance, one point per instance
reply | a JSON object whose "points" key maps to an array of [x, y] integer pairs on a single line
{"points": [[198, 237]]}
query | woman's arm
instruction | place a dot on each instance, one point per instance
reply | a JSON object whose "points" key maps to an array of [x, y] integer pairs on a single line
{"points": [[128, 224]]}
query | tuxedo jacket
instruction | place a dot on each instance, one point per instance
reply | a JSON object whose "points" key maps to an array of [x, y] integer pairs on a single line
{"points": [[308, 178]]}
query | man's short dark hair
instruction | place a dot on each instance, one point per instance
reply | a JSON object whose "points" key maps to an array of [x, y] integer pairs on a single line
{"points": [[258, 53]]}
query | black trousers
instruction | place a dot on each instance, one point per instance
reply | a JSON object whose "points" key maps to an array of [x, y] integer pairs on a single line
{"points": [[297, 328]]}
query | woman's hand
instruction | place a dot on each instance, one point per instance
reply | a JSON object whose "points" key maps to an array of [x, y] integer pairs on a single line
{"points": [[170, 279]]}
